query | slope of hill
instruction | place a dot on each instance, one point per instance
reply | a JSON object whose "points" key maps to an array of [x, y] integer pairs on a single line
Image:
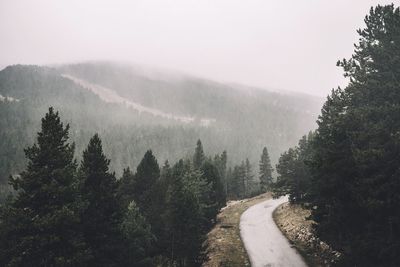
{"points": [[191, 96], [134, 110]]}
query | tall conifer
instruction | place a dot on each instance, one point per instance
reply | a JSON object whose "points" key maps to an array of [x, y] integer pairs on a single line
{"points": [[102, 215], [265, 171], [41, 226], [198, 157]]}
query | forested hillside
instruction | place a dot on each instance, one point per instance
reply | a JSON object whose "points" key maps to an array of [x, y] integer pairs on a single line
{"points": [[115, 164], [68, 214], [223, 117]]}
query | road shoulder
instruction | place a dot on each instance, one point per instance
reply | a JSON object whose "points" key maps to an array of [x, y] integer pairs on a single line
{"points": [[292, 220]]}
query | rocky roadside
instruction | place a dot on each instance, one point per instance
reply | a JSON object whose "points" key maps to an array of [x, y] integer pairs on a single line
{"points": [[224, 247], [292, 221]]}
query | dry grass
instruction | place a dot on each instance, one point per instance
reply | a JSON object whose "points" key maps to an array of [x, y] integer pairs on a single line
{"points": [[291, 220], [224, 245]]}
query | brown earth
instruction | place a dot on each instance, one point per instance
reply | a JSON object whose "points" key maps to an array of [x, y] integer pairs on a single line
{"points": [[292, 221], [224, 246]]}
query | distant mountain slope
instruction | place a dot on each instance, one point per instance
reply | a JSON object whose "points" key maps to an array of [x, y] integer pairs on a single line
{"points": [[189, 96], [224, 117], [111, 96]]}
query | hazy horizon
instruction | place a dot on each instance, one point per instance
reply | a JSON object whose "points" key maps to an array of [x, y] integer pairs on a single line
{"points": [[291, 46]]}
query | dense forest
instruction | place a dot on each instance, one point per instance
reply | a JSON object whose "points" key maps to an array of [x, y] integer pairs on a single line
{"points": [[62, 213], [223, 117], [112, 204], [347, 171], [130, 167]]}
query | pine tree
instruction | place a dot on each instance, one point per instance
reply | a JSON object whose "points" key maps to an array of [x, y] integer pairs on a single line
{"points": [[238, 182], [222, 167], [216, 198], [294, 177], [138, 238], [102, 216], [185, 217], [356, 150], [148, 193], [286, 183], [220, 161], [229, 183], [265, 171], [147, 174], [198, 157], [40, 227], [166, 172], [126, 187], [305, 153], [250, 185], [158, 195], [159, 228]]}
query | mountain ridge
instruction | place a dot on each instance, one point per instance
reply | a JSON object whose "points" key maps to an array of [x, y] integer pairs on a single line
{"points": [[243, 123]]}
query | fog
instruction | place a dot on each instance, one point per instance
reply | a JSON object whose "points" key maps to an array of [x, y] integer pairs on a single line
{"points": [[291, 45]]}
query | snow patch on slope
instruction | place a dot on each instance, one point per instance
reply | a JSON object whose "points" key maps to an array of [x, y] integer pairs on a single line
{"points": [[8, 99], [110, 96]]}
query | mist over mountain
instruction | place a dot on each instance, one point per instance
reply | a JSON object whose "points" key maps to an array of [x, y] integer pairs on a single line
{"points": [[257, 133], [134, 109]]}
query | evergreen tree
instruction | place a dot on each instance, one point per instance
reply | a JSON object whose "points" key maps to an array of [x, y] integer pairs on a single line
{"points": [[220, 161], [356, 150], [148, 193], [184, 218], [166, 172], [222, 168], [147, 174], [265, 171], [229, 183], [294, 178], [160, 229], [102, 216], [216, 198], [250, 184], [158, 195], [285, 182], [126, 187], [238, 182], [40, 227], [138, 238], [305, 153], [198, 157]]}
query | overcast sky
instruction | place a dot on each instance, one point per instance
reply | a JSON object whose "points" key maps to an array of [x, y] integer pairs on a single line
{"points": [[291, 45]]}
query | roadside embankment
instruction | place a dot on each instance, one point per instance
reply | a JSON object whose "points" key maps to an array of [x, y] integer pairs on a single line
{"points": [[292, 221]]}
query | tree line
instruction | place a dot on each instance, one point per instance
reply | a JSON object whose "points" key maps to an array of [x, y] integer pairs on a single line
{"points": [[65, 213], [242, 182], [348, 171], [127, 133]]}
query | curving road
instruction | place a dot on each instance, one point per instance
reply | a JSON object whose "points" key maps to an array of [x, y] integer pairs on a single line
{"points": [[264, 242]]}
